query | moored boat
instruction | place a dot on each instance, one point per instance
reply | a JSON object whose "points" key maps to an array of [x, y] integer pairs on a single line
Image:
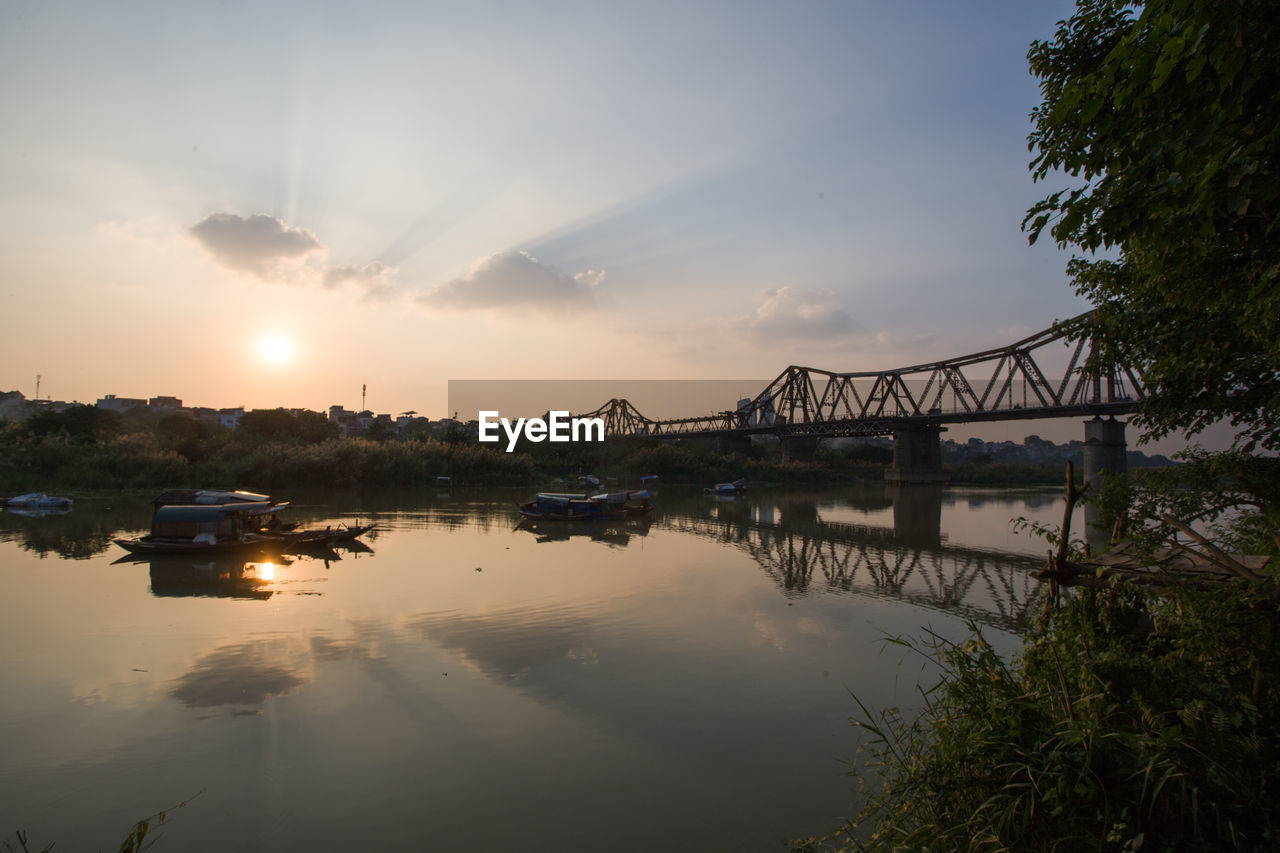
{"points": [[38, 500], [320, 537], [639, 502], [205, 521], [553, 506], [206, 529]]}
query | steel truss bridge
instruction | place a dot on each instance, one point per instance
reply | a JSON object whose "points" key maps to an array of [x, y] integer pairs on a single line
{"points": [[806, 401]]}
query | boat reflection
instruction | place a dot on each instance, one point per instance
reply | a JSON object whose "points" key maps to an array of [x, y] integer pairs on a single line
{"points": [[231, 575], [39, 511], [615, 534], [174, 575]]}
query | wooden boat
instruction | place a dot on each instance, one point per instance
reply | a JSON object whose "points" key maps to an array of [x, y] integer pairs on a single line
{"points": [[345, 533], [203, 521], [320, 537], [551, 506], [249, 543], [206, 529], [639, 502]]}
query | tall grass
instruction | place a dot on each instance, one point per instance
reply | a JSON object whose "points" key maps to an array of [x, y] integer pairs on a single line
{"points": [[1128, 722]]}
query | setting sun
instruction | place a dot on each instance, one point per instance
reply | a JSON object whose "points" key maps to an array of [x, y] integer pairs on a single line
{"points": [[275, 349]]}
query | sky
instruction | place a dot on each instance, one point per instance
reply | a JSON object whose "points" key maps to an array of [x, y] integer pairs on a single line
{"points": [[277, 204]]}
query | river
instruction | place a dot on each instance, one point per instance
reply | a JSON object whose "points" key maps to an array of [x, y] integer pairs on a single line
{"points": [[463, 681]]}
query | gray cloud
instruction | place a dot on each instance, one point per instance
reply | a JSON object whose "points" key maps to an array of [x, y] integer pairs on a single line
{"points": [[374, 278], [255, 245], [245, 674], [790, 313], [516, 279]]}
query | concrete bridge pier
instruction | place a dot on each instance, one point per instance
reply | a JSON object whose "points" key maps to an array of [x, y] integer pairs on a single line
{"points": [[799, 448], [1104, 451], [917, 456]]}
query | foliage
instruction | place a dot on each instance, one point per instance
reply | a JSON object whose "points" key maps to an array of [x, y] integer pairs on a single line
{"points": [[1232, 498], [87, 424], [278, 425], [143, 460], [1129, 722], [142, 835], [985, 472], [1167, 115]]}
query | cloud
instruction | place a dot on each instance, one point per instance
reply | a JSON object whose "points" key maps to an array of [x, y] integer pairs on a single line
{"points": [[790, 313], [374, 278], [244, 674], [517, 280], [257, 245]]}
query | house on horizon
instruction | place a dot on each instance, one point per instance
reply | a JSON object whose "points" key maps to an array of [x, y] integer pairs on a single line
{"points": [[120, 404]]}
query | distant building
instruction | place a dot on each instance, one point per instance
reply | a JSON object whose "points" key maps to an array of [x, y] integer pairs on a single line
{"points": [[121, 404], [205, 414], [14, 405], [348, 421], [763, 417], [412, 424], [165, 404], [230, 418]]}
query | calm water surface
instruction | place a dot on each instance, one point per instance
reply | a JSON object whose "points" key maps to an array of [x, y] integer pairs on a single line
{"points": [[470, 682]]}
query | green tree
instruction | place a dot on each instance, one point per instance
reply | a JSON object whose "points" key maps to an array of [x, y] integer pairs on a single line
{"points": [[173, 430], [314, 427], [1164, 119], [1136, 720], [82, 423], [267, 425]]}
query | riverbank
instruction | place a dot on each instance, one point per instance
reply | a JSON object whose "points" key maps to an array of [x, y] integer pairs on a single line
{"points": [[140, 460]]}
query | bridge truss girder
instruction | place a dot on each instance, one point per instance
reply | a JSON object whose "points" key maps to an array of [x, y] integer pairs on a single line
{"points": [[813, 402]]}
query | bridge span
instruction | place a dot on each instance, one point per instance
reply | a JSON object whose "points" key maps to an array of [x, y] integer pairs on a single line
{"points": [[1056, 373]]}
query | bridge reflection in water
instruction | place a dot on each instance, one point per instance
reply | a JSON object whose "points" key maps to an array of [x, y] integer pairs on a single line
{"points": [[804, 553]]}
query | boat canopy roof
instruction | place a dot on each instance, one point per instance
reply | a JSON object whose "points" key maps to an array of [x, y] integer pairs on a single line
{"points": [[208, 497], [178, 513]]}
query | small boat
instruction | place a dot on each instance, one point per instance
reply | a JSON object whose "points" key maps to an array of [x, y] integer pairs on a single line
{"points": [[737, 487], [314, 538], [345, 533], [249, 543], [639, 502], [206, 529], [552, 506], [38, 500]]}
